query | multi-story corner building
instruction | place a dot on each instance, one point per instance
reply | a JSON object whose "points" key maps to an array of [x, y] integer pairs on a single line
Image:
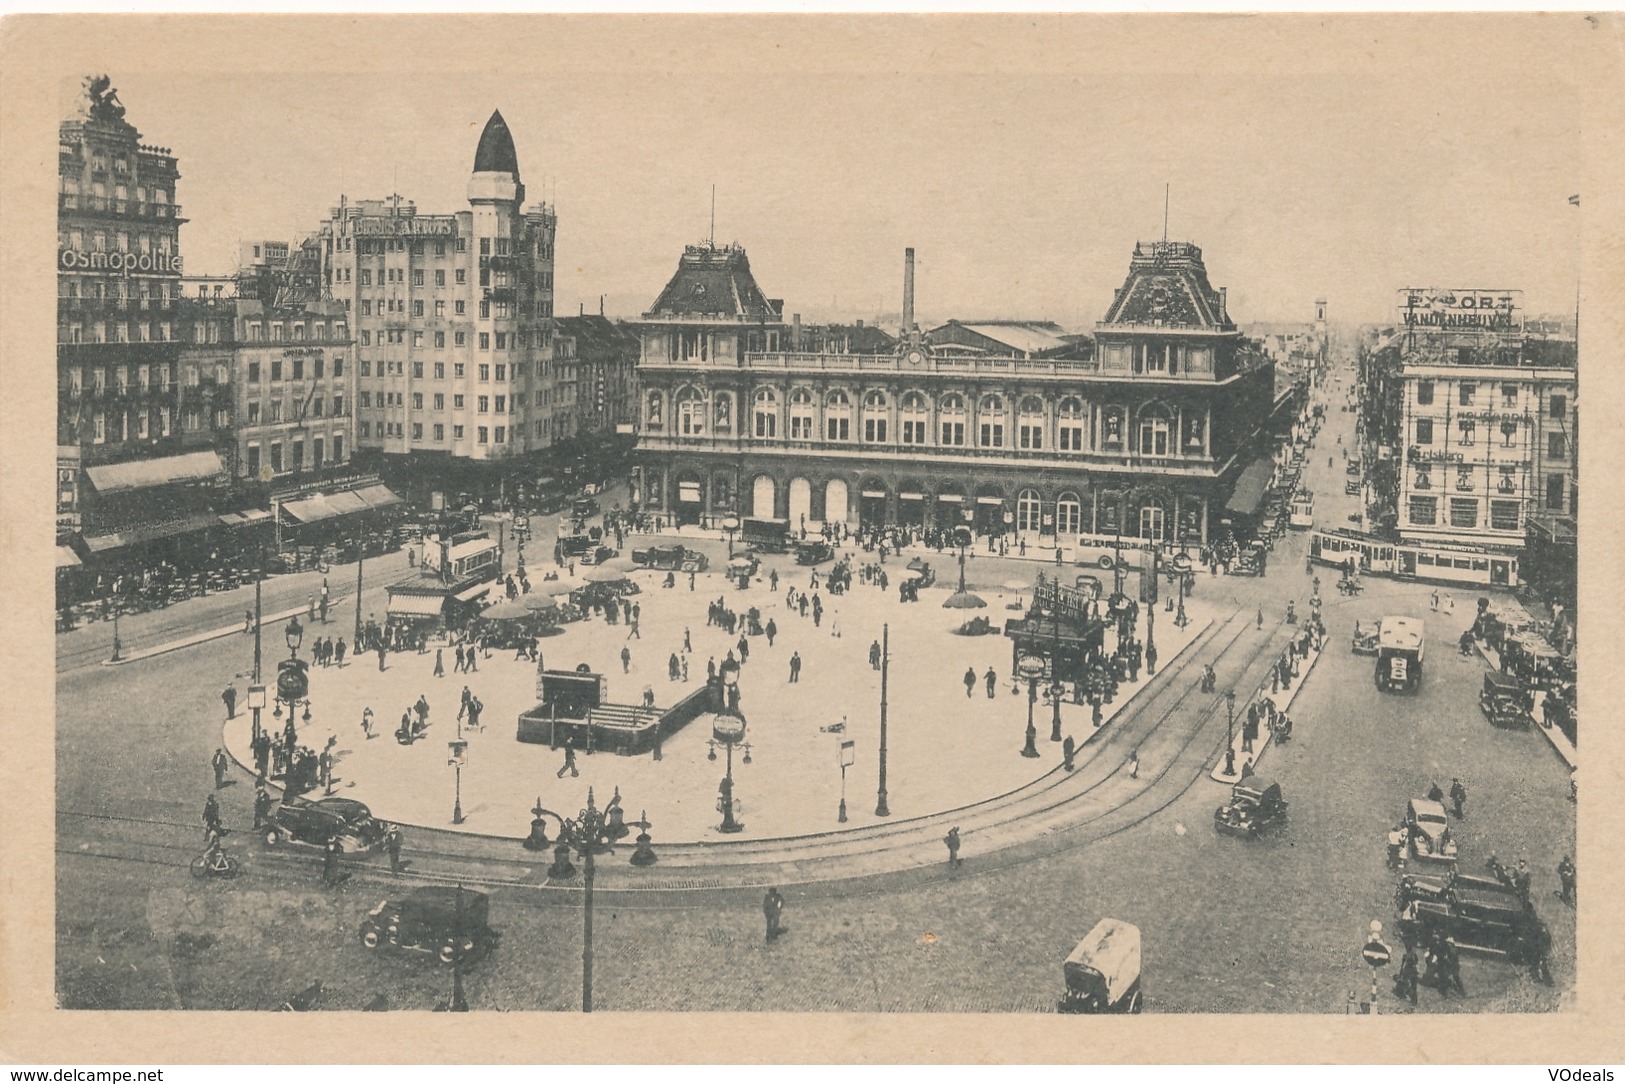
{"points": [[452, 316], [1481, 425], [597, 368], [1156, 433], [143, 411], [295, 381]]}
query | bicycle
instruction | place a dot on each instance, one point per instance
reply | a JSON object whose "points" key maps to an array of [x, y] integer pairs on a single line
{"points": [[218, 863]]}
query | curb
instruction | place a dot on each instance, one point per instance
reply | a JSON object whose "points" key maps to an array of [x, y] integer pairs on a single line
{"points": [[204, 637], [1217, 774]]}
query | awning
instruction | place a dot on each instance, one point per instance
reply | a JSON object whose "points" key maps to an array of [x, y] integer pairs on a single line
{"points": [[378, 496], [989, 500], [469, 594], [1250, 487], [309, 509], [417, 605], [66, 558], [151, 532], [347, 503], [881, 493], [246, 517], [911, 496], [141, 473]]}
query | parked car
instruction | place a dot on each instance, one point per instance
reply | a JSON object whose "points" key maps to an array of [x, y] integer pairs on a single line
{"points": [[298, 820], [669, 558], [1352, 488], [450, 924], [1103, 972], [813, 553], [1502, 701], [1429, 829], [1255, 804], [597, 555]]}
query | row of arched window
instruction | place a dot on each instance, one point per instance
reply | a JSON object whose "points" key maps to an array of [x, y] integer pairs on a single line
{"points": [[953, 425]]}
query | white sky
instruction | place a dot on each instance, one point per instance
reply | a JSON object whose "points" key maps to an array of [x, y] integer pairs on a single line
{"points": [[1023, 191]]}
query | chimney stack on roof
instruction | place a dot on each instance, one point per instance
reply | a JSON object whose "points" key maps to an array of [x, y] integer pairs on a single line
{"points": [[908, 292], [795, 332]]}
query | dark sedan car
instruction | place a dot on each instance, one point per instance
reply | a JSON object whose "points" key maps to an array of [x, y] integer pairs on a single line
{"points": [[448, 923], [297, 820], [813, 553]]}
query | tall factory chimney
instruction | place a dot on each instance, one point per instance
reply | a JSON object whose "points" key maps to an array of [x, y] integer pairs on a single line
{"points": [[908, 293]]}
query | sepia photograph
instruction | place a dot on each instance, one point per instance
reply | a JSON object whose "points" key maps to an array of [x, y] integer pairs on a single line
{"points": [[1000, 516]]}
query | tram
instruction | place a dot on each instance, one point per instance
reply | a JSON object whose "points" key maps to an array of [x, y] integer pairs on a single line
{"points": [[1421, 561]]}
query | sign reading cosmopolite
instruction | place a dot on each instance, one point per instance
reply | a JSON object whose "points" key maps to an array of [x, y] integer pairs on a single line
{"points": [[1466, 310], [416, 226], [71, 259]]}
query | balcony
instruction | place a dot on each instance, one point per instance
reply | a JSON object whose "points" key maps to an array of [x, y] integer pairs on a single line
{"points": [[122, 208]]}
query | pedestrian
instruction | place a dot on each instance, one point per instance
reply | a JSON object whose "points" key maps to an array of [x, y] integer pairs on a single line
{"points": [[992, 680], [211, 814], [1068, 751], [874, 655], [795, 667], [1566, 876], [744, 650], [381, 653], [569, 763], [473, 655], [626, 660], [366, 722], [773, 911], [952, 841], [262, 808], [248, 622], [338, 652], [773, 579], [1450, 967], [310, 610], [221, 762], [1134, 763], [634, 630], [1405, 982], [230, 698], [330, 863], [688, 645], [1458, 798], [1261, 617], [970, 681], [673, 667], [1150, 659], [323, 607], [440, 662], [771, 629], [392, 844]]}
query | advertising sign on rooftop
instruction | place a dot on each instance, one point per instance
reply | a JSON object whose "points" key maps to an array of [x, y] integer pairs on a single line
{"points": [[1432, 309]]}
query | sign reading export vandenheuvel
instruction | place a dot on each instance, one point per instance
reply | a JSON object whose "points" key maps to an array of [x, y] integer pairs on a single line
{"points": [[1461, 310]]}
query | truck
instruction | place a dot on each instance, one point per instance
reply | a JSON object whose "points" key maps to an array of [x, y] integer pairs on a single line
{"points": [[1399, 654], [765, 535]]}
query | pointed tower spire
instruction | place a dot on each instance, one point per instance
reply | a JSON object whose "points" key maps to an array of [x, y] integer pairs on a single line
{"points": [[496, 152]]}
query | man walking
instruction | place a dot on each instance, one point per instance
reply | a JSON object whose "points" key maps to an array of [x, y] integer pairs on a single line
{"points": [[392, 844], [688, 644], [440, 662], [771, 629], [338, 653], [262, 808], [626, 660], [248, 622], [1458, 798], [221, 762], [795, 667], [230, 699], [992, 680], [970, 681], [773, 910], [874, 655], [330, 863], [1405, 982], [569, 763], [1566, 875], [952, 841]]}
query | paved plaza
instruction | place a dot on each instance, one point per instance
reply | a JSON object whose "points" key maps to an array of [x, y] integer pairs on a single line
{"points": [[945, 750]]}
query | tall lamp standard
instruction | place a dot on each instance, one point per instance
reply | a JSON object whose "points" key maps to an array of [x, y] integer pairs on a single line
{"points": [[118, 645], [1031, 667], [1151, 608], [589, 834], [847, 755], [728, 730], [256, 692], [881, 808], [1229, 732], [1055, 660]]}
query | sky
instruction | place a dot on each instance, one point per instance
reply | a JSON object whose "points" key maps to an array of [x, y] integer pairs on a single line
{"points": [[1022, 191]]}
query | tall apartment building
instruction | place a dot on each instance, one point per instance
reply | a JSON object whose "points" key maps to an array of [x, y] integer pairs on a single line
{"points": [[1156, 433], [143, 410], [452, 319]]}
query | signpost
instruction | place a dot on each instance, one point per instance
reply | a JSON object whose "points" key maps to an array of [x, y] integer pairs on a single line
{"points": [[458, 756], [1376, 954], [848, 756]]}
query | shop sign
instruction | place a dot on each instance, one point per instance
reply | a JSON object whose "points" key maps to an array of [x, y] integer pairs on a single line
{"points": [[416, 226], [71, 259], [1461, 310]]}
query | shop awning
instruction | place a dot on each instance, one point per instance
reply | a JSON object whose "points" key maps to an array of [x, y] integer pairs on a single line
{"points": [[378, 496], [246, 517], [66, 558], [1250, 487], [151, 532], [347, 503], [469, 594], [309, 509], [142, 473], [417, 605]]}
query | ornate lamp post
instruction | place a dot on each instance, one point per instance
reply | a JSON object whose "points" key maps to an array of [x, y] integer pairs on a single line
{"points": [[1229, 732], [589, 834], [881, 808], [1054, 656], [457, 756], [728, 730], [1031, 667]]}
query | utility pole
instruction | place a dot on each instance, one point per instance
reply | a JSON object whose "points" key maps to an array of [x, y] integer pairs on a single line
{"points": [[881, 809]]}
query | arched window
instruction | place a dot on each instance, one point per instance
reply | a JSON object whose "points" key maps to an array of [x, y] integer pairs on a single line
{"points": [[766, 414], [1029, 516], [875, 416], [1111, 428], [690, 412], [952, 409], [914, 419], [837, 416], [991, 416], [655, 417], [1153, 431], [1068, 514], [1072, 425], [802, 412], [1030, 424]]}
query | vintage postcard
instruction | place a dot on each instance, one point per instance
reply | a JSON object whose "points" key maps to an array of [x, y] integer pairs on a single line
{"points": [[944, 523]]}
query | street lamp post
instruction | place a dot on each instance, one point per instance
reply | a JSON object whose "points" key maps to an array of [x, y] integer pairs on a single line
{"points": [[1180, 619], [881, 808], [1055, 660], [1230, 732], [458, 755], [728, 730], [1031, 667], [588, 833], [847, 755]]}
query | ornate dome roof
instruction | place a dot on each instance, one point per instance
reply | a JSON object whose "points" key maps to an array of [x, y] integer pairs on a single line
{"points": [[496, 153]]}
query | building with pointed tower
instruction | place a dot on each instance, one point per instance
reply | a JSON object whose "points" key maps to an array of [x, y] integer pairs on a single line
{"points": [[452, 319], [1158, 433]]}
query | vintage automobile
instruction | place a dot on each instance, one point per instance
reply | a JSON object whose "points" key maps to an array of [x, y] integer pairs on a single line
{"points": [[1353, 468], [922, 571], [765, 535], [813, 552], [1429, 828], [1103, 972], [1480, 922], [583, 508], [296, 820], [1364, 640], [597, 555], [1450, 886], [1502, 701], [1250, 561], [1351, 488], [669, 558], [1255, 804], [450, 924]]}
